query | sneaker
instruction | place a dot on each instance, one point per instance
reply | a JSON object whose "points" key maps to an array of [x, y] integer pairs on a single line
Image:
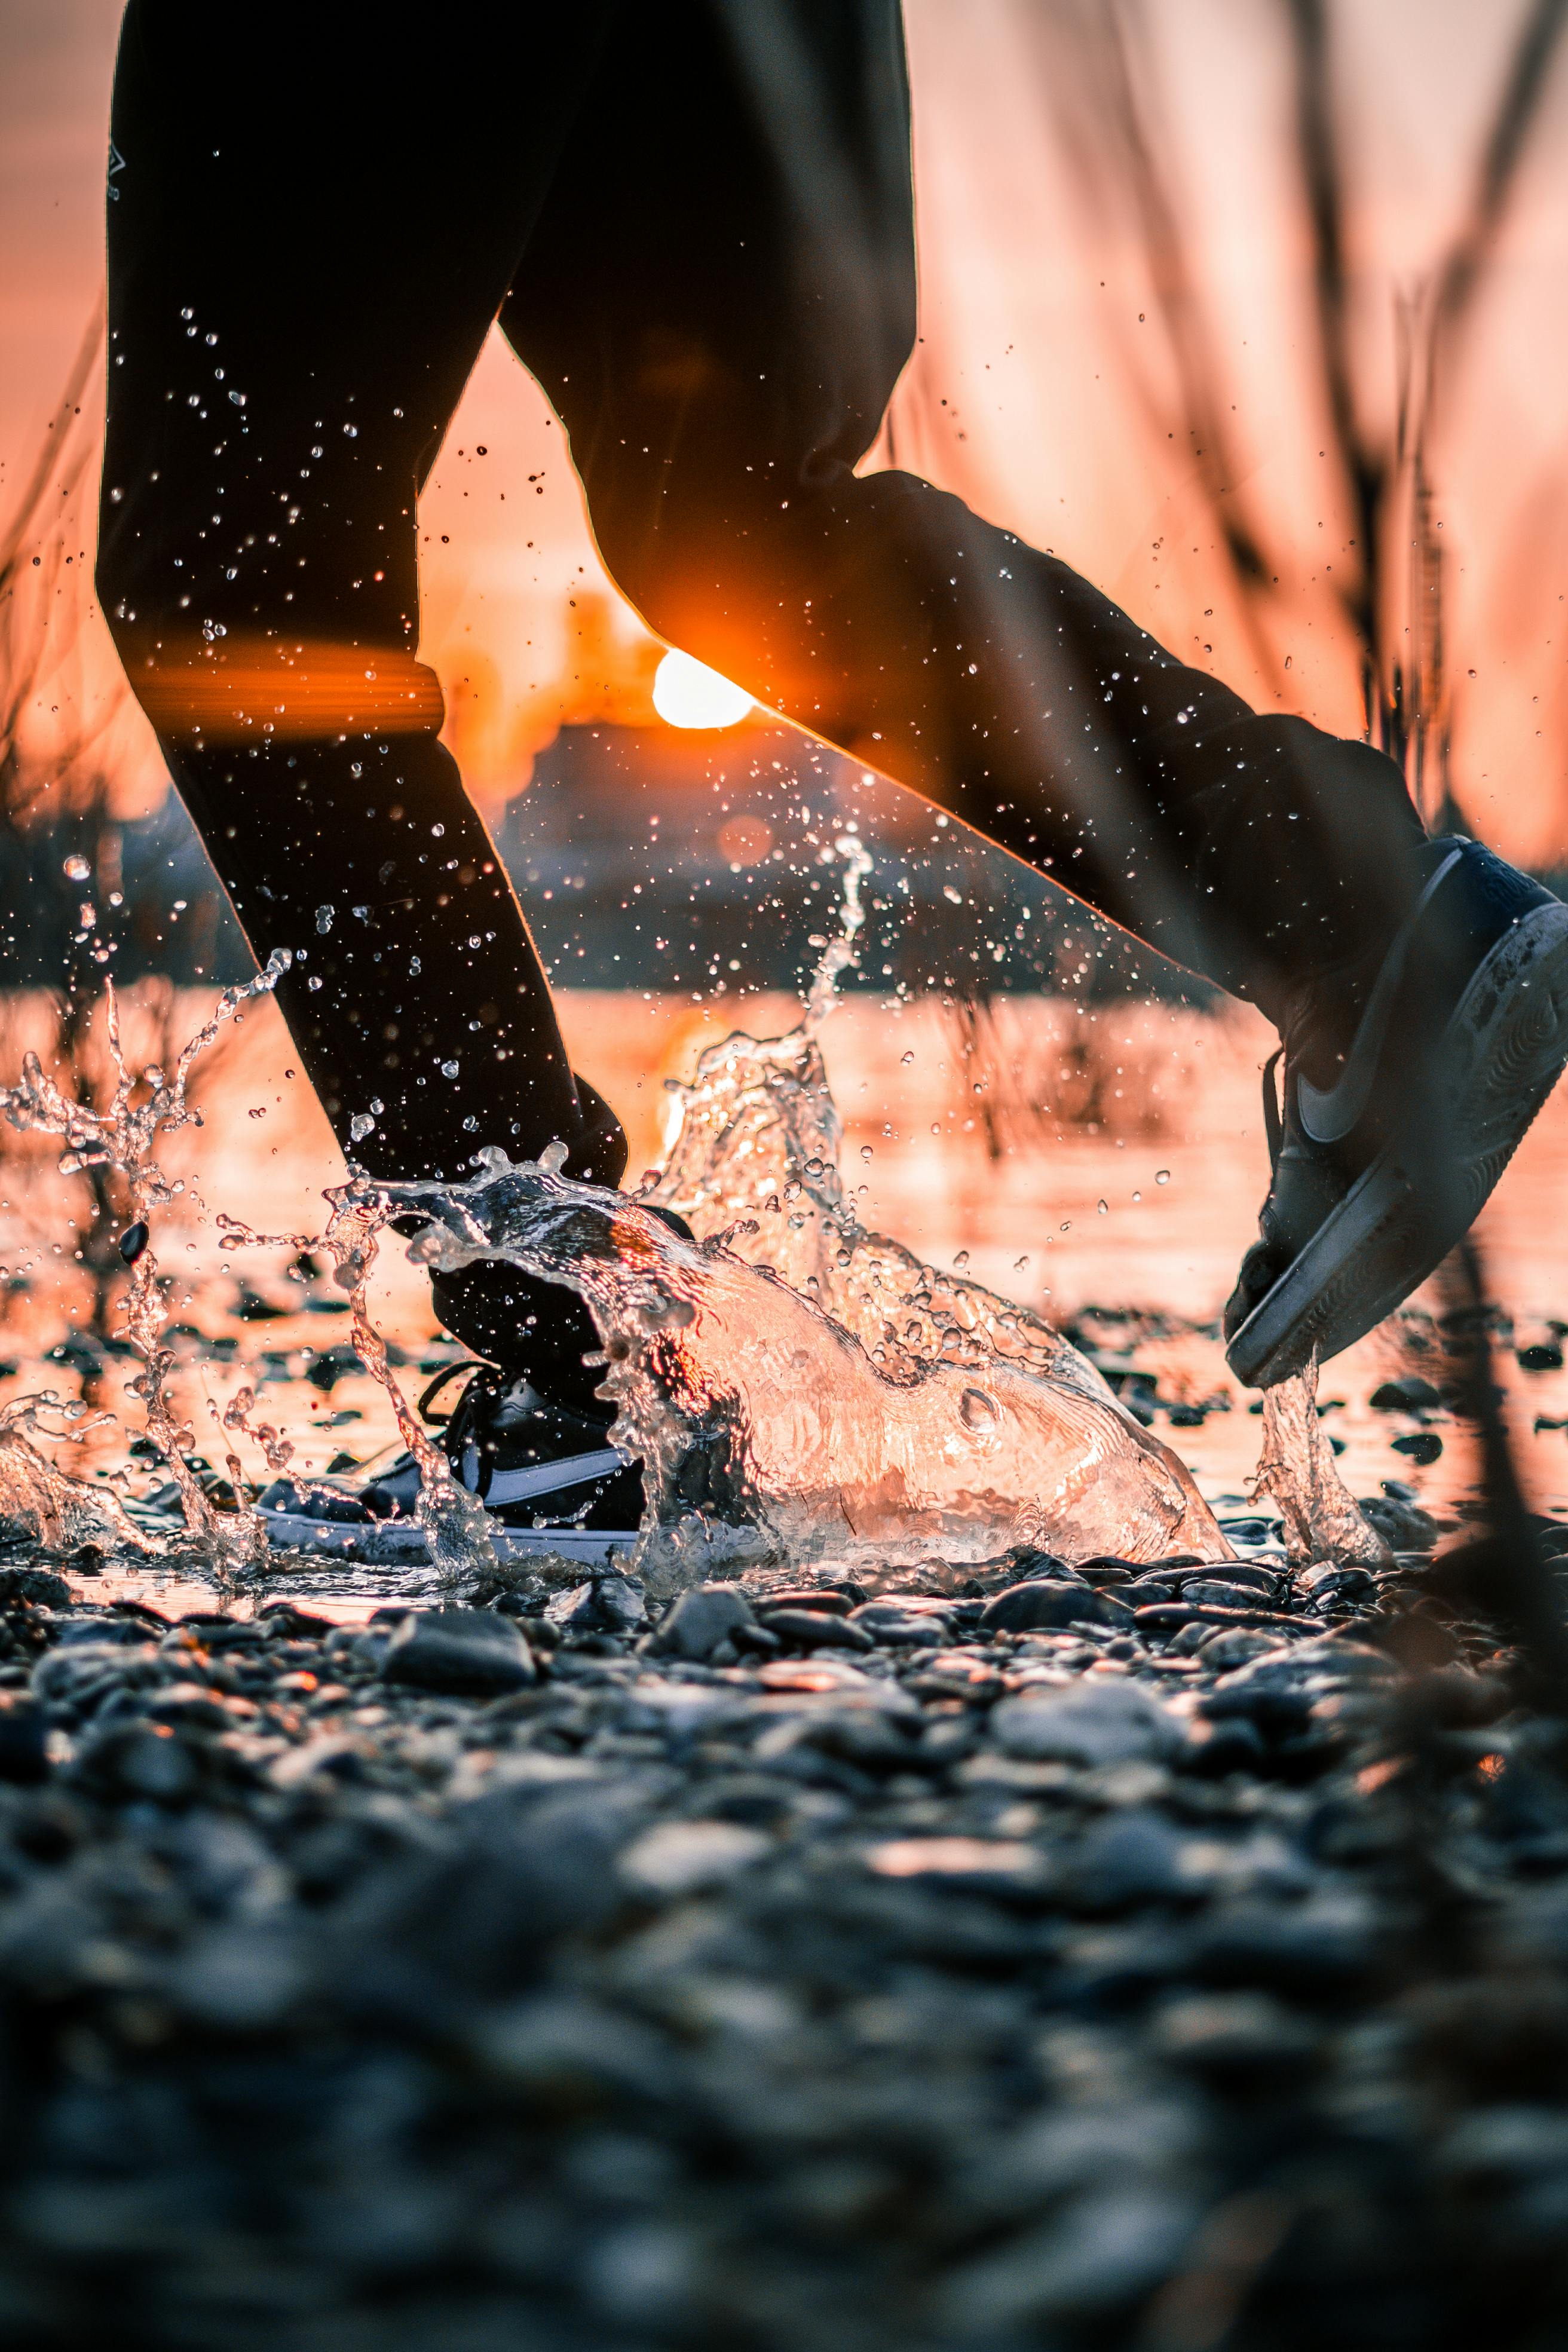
{"points": [[548, 1475], [1461, 1031], [533, 1462]]}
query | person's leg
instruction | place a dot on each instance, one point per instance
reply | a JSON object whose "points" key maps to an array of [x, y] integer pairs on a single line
{"points": [[312, 219], [719, 297]]}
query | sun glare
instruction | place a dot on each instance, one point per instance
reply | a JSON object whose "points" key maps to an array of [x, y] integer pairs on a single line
{"points": [[687, 693]]}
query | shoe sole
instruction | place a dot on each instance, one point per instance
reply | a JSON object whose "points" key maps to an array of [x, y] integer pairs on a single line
{"points": [[1507, 1045], [388, 1543]]}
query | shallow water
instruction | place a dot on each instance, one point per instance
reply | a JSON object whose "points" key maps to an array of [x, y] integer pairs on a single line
{"points": [[1066, 1215]]}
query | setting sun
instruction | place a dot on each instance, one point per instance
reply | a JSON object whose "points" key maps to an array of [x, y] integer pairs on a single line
{"points": [[687, 693]]}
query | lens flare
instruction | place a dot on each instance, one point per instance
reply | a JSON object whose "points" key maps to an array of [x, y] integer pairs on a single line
{"points": [[687, 693]]}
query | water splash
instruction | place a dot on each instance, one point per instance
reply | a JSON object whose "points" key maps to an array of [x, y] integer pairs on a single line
{"points": [[1323, 1521], [121, 1136], [58, 1510], [455, 1524], [796, 1388]]}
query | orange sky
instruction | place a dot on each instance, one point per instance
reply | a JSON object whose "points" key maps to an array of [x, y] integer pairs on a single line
{"points": [[1033, 390]]}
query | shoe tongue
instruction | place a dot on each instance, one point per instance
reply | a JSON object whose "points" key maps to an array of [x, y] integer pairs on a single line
{"points": [[523, 1399]]}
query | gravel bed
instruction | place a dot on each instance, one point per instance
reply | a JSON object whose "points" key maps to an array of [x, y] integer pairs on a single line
{"points": [[1020, 1957]]}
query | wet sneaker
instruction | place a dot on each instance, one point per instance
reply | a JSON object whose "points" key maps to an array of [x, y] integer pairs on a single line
{"points": [[531, 1463], [1460, 1033]]}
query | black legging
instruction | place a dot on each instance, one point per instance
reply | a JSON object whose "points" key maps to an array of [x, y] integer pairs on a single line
{"points": [[695, 223]]}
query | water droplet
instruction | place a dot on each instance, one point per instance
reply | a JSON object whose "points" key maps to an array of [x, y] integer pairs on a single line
{"points": [[1161, 1175], [1102, 1206], [359, 1125], [978, 1411], [907, 1058], [325, 920], [1137, 1196], [449, 1069], [962, 1258], [866, 1152], [132, 1242], [77, 868]]}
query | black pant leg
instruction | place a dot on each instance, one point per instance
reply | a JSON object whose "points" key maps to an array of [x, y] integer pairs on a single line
{"points": [[314, 217], [719, 297]]}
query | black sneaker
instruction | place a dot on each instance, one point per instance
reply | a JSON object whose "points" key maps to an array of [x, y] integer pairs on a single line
{"points": [[548, 1475], [1461, 1031], [533, 1462]]}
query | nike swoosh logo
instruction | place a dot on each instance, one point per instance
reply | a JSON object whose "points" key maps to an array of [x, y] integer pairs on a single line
{"points": [[1328, 1116], [545, 1477]]}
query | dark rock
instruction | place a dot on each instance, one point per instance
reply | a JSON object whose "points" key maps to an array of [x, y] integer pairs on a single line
{"points": [[1027, 1563], [808, 1596], [1422, 1445], [701, 1619], [1233, 1744], [607, 1604], [1221, 1592], [37, 1585], [138, 1761], [885, 1620], [1400, 1521], [1126, 1858], [1045, 1601], [469, 1650], [23, 1735], [1237, 2039], [1410, 1394], [813, 1628], [1111, 1721]]}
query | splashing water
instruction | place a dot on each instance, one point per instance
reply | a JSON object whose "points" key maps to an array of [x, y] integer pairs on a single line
{"points": [[796, 1388], [1297, 1467], [58, 1510], [455, 1523], [143, 1106]]}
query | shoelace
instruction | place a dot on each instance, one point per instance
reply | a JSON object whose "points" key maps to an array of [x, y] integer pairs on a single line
{"points": [[467, 1421]]}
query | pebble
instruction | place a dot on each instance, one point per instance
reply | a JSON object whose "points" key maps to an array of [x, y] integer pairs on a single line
{"points": [[1049, 1601], [468, 1649], [975, 1984], [701, 1619]]}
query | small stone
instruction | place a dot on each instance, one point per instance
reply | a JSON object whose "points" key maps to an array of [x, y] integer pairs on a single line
{"points": [[468, 1649], [24, 1736], [678, 1858], [1411, 1394], [1235, 1645], [609, 1604], [1234, 2037], [1212, 1592], [1400, 1521], [136, 1760], [813, 1628], [701, 1619], [1045, 1601], [37, 1585], [885, 1621], [1111, 1721]]}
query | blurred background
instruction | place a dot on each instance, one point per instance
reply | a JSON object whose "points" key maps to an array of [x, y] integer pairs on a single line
{"points": [[1251, 310]]}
